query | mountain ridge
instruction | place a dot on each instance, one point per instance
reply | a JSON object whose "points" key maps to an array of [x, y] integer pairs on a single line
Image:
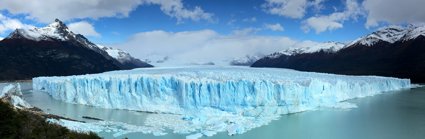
{"points": [[393, 52], [54, 50]]}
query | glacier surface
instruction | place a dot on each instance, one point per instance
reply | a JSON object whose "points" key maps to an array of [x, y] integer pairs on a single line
{"points": [[208, 100]]}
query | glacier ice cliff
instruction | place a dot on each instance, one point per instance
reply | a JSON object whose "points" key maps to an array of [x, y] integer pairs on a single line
{"points": [[232, 89], [224, 98]]}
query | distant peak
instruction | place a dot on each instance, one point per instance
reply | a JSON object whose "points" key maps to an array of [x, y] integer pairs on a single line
{"points": [[391, 34], [57, 24], [53, 31]]}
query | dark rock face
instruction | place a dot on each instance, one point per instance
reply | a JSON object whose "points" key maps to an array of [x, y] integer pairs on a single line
{"points": [[24, 59], [134, 63], [402, 59]]}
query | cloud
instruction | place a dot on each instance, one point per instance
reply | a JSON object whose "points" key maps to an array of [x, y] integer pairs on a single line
{"points": [[203, 46], [47, 10], [274, 27], [317, 4], [1, 38], [246, 31], [175, 8], [291, 8], [252, 19], [83, 28], [333, 21], [288, 8], [394, 11], [7, 24]]}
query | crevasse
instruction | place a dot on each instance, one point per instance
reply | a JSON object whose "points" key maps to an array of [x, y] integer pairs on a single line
{"points": [[239, 90]]}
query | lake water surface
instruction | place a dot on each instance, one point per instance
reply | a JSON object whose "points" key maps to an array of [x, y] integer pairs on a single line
{"points": [[395, 115]]}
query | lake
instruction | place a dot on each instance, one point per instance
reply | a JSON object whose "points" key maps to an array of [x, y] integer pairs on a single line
{"points": [[395, 115]]}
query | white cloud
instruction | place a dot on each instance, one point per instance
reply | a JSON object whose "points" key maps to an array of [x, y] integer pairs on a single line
{"points": [[288, 8], [333, 21], [252, 19], [291, 8], [322, 23], [176, 9], [203, 46], [317, 4], [1, 38], [83, 28], [7, 24], [274, 27], [47, 10], [245, 31], [394, 11]]}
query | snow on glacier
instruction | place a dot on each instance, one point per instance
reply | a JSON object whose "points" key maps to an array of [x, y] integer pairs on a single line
{"points": [[208, 100]]}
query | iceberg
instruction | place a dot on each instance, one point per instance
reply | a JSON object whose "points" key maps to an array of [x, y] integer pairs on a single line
{"points": [[210, 99]]}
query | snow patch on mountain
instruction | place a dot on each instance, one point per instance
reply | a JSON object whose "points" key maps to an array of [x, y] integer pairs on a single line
{"points": [[414, 32], [330, 47], [391, 34], [245, 61], [123, 57], [120, 55], [56, 30]]}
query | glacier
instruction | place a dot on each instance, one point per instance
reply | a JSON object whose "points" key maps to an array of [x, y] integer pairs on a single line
{"points": [[210, 99], [11, 93]]}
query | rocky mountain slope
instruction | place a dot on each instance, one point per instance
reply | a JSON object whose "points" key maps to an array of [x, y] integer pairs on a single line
{"points": [[53, 50], [391, 51]]}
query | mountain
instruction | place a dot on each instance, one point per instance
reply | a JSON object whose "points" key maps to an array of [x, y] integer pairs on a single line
{"points": [[128, 61], [53, 50], [392, 51], [329, 47], [245, 61]]}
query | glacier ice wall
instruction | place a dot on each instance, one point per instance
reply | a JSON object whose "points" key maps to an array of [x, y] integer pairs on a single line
{"points": [[239, 90]]}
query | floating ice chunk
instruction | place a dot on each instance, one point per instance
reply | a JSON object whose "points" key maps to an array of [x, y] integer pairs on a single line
{"points": [[235, 129], [209, 133], [77, 126], [194, 136], [116, 128]]}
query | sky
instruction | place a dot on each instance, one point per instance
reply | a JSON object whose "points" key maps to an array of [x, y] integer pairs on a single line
{"points": [[202, 29]]}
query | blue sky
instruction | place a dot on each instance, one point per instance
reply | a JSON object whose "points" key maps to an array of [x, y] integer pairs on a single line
{"points": [[194, 24], [227, 16]]}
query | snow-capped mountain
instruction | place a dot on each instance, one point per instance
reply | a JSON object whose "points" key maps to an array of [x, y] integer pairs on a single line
{"points": [[392, 51], [245, 61], [59, 31], [123, 57], [56, 31], [168, 61], [390, 34], [55, 50], [329, 47]]}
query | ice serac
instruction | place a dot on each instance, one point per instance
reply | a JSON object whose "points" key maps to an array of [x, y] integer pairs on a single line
{"points": [[237, 90]]}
